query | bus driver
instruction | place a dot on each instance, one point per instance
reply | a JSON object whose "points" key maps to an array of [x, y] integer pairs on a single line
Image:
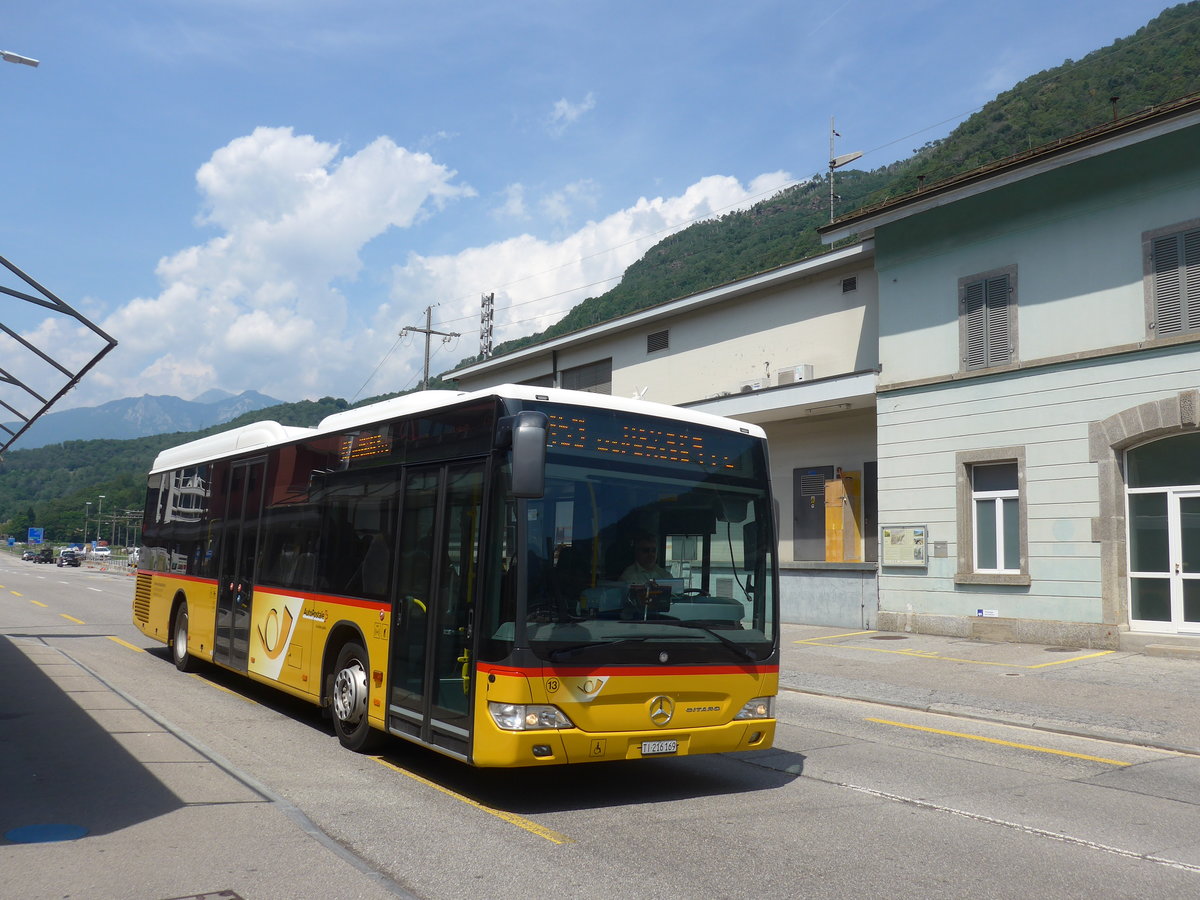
{"points": [[645, 565]]}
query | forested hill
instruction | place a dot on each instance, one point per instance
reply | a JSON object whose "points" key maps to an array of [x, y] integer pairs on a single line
{"points": [[1157, 64], [49, 487]]}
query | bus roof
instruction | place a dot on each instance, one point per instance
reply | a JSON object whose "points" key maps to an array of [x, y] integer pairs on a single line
{"points": [[261, 435]]}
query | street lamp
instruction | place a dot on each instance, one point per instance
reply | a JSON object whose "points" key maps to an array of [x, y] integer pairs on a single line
{"points": [[100, 520], [9, 56], [836, 162], [87, 512]]}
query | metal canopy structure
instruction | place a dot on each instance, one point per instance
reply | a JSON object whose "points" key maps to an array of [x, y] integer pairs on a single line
{"points": [[36, 365]]}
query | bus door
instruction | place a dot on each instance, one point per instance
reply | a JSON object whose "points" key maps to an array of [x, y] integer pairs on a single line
{"points": [[235, 574], [435, 582]]}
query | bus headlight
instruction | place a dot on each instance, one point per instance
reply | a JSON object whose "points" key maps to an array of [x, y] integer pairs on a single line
{"points": [[758, 708], [528, 716]]}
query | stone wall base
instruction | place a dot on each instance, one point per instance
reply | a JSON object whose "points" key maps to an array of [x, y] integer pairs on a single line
{"points": [[1083, 635]]}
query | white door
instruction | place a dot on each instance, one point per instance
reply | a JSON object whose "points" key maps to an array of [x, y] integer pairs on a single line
{"points": [[1185, 560], [1164, 560]]}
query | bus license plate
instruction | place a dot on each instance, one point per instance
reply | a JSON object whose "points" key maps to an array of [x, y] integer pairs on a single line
{"points": [[649, 748]]}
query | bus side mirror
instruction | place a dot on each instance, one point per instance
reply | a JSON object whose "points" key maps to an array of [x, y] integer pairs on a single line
{"points": [[528, 441]]}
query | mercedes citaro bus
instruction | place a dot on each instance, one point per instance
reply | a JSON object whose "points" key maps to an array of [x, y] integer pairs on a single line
{"points": [[452, 569]]}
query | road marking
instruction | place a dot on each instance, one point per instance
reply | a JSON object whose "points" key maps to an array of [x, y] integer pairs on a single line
{"points": [[40, 603], [1013, 744], [933, 654], [221, 687], [16, 593], [1059, 662], [512, 818], [124, 643], [830, 637], [1017, 826], [73, 619]]}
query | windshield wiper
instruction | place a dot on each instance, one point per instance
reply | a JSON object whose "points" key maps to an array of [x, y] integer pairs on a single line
{"points": [[733, 645], [559, 653]]}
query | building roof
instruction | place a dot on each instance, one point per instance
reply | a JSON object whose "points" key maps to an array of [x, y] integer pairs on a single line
{"points": [[761, 281], [1134, 129]]}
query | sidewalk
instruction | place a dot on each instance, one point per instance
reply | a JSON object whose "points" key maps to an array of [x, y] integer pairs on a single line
{"points": [[159, 816], [1114, 695]]}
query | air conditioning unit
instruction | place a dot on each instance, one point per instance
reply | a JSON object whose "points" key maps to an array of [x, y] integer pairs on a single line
{"points": [[754, 384], [794, 374]]}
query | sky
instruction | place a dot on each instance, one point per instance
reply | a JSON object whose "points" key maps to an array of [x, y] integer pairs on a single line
{"points": [[263, 194]]}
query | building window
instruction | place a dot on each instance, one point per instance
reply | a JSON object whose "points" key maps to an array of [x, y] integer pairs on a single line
{"points": [[595, 377], [659, 340], [992, 517], [988, 319], [1173, 267], [994, 502]]}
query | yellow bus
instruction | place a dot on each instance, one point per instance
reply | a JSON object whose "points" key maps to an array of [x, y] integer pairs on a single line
{"points": [[457, 570]]}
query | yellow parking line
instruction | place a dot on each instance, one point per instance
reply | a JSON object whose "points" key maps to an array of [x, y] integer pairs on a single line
{"points": [[40, 603], [1059, 662], [16, 593], [221, 687], [512, 818], [831, 637], [988, 740], [124, 643], [73, 619]]}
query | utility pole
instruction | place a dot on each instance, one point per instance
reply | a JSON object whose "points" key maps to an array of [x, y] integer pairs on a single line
{"points": [[428, 332], [485, 330]]}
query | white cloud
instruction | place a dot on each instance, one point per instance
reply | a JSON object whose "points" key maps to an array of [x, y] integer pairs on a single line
{"points": [[566, 113], [262, 303], [258, 305], [536, 281], [560, 206], [513, 206]]}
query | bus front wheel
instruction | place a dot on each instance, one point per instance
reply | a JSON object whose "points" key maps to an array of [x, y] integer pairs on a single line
{"points": [[349, 697], [184, 661]]}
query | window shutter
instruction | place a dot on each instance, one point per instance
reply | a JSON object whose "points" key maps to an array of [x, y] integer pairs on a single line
{"points": [[997, 321], [986, 311], [1191, 278], [976, 316], [1168, 302]]}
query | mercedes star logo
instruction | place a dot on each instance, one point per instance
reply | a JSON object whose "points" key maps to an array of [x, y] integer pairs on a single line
{"points": [[661, 710]]}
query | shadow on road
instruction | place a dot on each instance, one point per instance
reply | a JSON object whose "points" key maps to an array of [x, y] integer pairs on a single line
{"points": [[60, 766]]}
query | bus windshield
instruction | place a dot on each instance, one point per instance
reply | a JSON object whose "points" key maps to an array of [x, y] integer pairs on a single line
{"points": [[642, 560]]}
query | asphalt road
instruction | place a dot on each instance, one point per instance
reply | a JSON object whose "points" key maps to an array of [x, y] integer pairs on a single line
{"points": [[227, 786]]}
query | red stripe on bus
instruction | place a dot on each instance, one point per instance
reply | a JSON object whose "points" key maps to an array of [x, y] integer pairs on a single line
{"points": [[613, 671]]}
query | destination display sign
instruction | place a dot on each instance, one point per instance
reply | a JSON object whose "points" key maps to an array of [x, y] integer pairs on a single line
{"points": [[645, 439]]}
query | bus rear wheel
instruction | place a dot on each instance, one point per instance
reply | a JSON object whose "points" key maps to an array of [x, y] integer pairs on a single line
{"points": [[348, 700], [184, 661]]}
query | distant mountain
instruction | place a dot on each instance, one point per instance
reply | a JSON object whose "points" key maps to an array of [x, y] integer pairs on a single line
{"points": [[143, 416], [213, 395]]}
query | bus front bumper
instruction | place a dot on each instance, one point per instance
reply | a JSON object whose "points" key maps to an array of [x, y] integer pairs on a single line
{"points": [[494, 747]]}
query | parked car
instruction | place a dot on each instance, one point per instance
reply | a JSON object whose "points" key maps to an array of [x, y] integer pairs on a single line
{"points": [[45, 555], [27, 556], [101, 553], [68, 557]]}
